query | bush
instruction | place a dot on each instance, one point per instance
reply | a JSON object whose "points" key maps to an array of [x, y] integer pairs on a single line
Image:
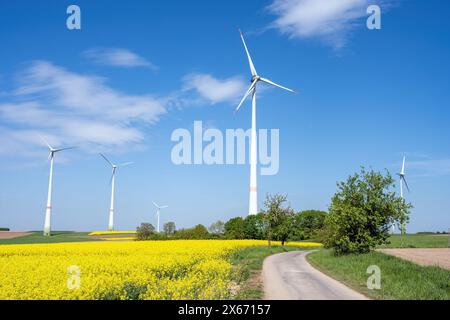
{"points": [[362, 212], [4, 229]]}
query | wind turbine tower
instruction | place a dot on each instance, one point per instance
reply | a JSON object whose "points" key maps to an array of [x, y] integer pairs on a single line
{"points": [[255, 79], [113, 184], [158, 213], [48, 209]]}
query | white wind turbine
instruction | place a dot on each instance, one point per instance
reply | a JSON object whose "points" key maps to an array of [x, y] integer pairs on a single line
{"points": [[253, 199], [402, 176], [48, 209], [113, 182], [158, 212]]}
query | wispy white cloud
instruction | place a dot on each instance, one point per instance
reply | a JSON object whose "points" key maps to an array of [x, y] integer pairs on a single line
{"points": [[73, 108], [328, 20], [215, 90], [118, 57], [429, 167], [70, 108]]}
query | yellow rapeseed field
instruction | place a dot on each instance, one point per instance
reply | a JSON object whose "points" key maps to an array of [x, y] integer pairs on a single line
{"points": [[120, 270]]}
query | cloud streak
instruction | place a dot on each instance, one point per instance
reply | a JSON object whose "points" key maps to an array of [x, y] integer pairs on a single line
{"points": [[429, 167], [70, 108], [117, 57], [73, 108], [214, 90], [330, 21]]}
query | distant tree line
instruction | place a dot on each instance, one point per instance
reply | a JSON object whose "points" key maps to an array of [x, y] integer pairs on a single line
{"points": [[275, 223], [361, 213]]}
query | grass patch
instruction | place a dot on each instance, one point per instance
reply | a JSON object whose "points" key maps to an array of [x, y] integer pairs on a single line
{"points": [[400, 279], [419, 241], [248, 264], [56, 237]]}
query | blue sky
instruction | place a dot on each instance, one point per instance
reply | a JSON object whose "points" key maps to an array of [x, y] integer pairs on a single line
{"points": [[138, 70]]}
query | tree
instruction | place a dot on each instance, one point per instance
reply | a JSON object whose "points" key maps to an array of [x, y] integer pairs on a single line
{"points": [[234, 228], [276, 218], [255, 227], [169, 228], [145, 231], [306, 224], [362, 211], [200, 232], [217, 227]]}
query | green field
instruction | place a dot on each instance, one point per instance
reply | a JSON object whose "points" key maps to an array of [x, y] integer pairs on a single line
{"points": [[400, 279], [57, 237], [419, 241]]}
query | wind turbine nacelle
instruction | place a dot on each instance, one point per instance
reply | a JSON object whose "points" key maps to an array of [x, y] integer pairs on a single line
{"points": [[256, 77]]}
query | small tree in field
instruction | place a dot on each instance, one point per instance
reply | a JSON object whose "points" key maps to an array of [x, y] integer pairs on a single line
{"points": [[217, 227], [145, 231], [169, 228], [362, 211], [277, 218]]}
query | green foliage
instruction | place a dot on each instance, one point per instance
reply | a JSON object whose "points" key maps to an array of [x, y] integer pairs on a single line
{"points": [[255, 227], [169, 228], [145, 231], [278, 219], [4, 229], [196, 233], [234, 228], [307, 224], [362, 211]]}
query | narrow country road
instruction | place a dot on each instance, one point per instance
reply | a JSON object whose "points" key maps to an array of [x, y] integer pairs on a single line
{"points": [[288, 276]]}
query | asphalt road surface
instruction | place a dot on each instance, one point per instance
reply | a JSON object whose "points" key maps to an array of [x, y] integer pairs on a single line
{"points": [[288, 276]]}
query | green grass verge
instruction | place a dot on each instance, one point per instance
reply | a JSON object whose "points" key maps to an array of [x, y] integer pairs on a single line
{"points": [[419, 241], [400, 279], [248, 264], [56, 237]]}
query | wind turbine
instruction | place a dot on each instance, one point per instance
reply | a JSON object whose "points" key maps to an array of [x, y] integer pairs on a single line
{"points": [[158, 211], [48, 209], [255, 79], [402, 176], [113, 182]]}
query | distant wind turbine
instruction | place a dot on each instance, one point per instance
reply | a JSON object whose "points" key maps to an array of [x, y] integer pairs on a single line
{"points": [[402, 176], [48, 209], [158, 212], [113, 181], [253, 198]]}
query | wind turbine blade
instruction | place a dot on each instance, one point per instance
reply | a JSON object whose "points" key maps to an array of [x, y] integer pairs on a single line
{"points": [[276, 85], [250, 62], [155, 204], [125, 164], [252, 86], [45, 141], [403, 166], [163, 207], [64, 149], [107, 160], [406, 184]]}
